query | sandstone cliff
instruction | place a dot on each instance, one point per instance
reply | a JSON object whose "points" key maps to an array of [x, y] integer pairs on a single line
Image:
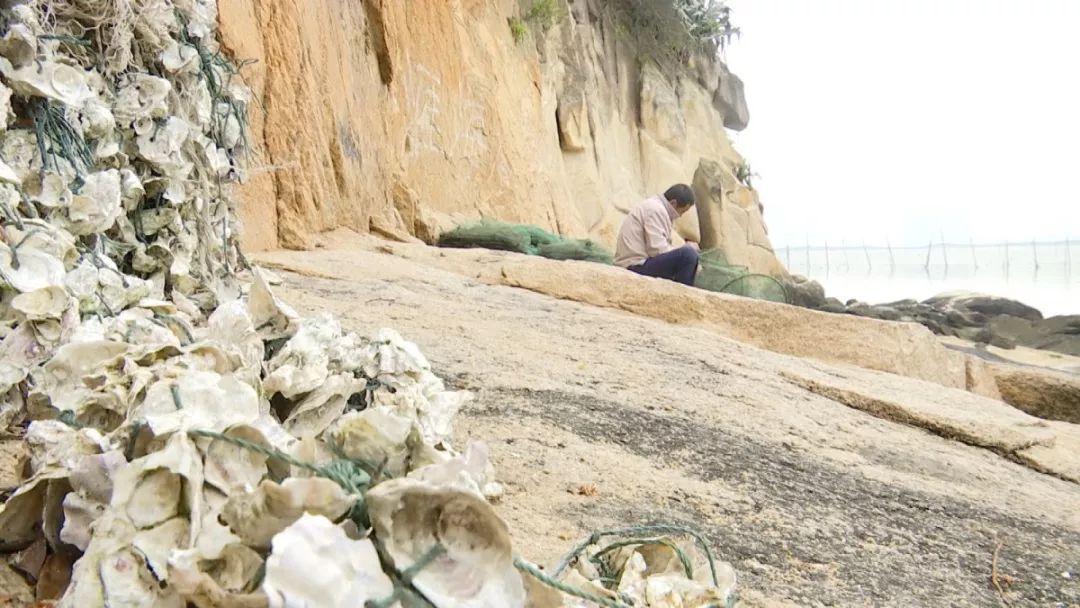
{"points": [[404, 115]]}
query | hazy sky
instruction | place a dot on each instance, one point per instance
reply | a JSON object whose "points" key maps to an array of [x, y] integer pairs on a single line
{"points": [[909, 118]]}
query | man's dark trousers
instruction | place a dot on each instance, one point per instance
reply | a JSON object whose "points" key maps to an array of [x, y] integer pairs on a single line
{"points": [[676, 265]]}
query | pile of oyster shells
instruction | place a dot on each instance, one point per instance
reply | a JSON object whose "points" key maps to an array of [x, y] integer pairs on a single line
{"points": [[131, 333]]}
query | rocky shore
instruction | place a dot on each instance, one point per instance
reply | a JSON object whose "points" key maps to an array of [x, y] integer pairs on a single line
{"points": [[979, 318]]}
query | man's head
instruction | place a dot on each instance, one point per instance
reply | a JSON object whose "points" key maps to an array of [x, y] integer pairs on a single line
{"points": [[681, 198]]}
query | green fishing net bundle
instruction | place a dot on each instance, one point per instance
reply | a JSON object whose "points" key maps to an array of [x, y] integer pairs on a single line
{"points": [[524, 238], [716, 274]]}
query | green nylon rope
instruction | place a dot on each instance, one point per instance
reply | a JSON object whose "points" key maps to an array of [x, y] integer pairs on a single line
{"points": [[595, 537], [539, 575], [352, 478], [683, 557], [783, 289], [407, 575], [347, 474]]}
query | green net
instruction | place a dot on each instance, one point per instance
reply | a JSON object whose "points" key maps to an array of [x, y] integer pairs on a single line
{"points": [[713, 257], [576, 249], [715, 274], [489, 234], [757, 286], [538, 236], [523, 238]]}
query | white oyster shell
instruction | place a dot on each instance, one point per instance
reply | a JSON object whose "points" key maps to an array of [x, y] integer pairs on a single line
{"points": [[44, 303], [257, 516], [55, 81], [194, 400], [476, 570], [313, 563]]}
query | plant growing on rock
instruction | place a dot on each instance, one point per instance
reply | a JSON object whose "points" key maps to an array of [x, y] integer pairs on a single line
{"points": [[708, 21], [668, 33], [518, 29], [745, 175], [544, 14]]}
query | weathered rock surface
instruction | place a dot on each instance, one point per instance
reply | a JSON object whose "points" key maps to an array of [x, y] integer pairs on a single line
{"points": [[812, 499], [1020, 355], [363, 101], [1042, 393], [950, 413], [901, 348]]}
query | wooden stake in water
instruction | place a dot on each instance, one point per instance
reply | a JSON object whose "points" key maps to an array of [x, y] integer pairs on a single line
{"points": [[827, 264], [866, 252], [892, 260], [1006, 259], [1035, 252], [974, 260], [929, 250], [944, 252]]}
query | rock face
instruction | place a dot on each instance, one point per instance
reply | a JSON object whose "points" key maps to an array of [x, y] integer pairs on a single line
{"points": [[567, 129], [730, 219]]}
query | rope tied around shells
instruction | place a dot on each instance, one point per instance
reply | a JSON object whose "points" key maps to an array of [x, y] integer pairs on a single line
{"points": [[356, 477]]}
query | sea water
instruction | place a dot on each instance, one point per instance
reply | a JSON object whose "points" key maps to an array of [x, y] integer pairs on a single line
{"points": [[1043, 275]]}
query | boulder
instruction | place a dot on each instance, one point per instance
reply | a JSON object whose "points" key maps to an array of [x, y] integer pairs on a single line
{"points": [[976, 318], [987, 305], [1060, 334], [805, 292], [730, 99], [726, 224], [832, 305]]}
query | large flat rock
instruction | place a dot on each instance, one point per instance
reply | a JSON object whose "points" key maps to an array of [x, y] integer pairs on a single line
{"points": [[1060, 457], [814, 501], [900, 348], [1051, 447]]}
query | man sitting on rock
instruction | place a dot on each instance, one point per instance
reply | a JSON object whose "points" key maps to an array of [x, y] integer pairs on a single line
{"points": [[644, 244]]}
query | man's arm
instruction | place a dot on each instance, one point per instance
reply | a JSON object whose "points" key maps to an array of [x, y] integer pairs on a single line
{"points": [[657, 234]]}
